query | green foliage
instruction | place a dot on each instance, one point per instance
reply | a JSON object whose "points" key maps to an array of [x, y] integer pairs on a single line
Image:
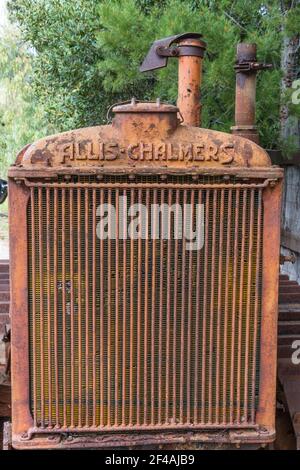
{"points": [[21, 117], [87, 54], [292, 21]]}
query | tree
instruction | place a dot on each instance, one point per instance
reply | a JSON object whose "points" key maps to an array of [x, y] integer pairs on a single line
{"points": [[22, 118], [290, 55], [87, 55]]}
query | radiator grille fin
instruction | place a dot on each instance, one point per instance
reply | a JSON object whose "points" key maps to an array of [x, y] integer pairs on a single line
{"points": [[144, 334]]}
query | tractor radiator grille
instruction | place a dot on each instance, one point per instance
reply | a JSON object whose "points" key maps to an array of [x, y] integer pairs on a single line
{"points": [[143, 333]]}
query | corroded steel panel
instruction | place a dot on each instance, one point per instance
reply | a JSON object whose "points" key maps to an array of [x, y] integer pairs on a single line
{"points": [[123, 335]]}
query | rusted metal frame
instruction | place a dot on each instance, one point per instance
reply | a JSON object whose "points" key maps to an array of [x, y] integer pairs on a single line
{"points": [[33, 261], [256, 304], [153, 293], [182, 320], [227, 261], [55, 299], [41, 275], [161, 309], [248, 305], [108, 440], [131, 321], [53, 173], [146, 291], [205, 312], [168, 322], [234, 304], [131, 185], [64, 354], [157, 427], [79, 274], [265, 415], [72, 312], [219, 306], [189, 320], [116, 404], [139, 306], [241, 309], [211, 320], [109, 312], [124, 321], [86, 283], [174, 352], [101, 327], [48, 244], [18, 241], [94, 313], [196, 353]]}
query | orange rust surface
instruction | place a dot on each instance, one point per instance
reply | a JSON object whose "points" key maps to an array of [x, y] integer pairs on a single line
{"points": [[189, 81], [144, 140]]}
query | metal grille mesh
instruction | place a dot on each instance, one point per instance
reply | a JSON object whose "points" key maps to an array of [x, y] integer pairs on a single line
{"points": [[144, 334]]}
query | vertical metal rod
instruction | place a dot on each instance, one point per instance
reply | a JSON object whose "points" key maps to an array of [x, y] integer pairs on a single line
{"points": [[234, 303], [109, 311], [154, 222], [176, 230], [94, 293], [64, 355], [34, 320], [240, 321], [102, 314], [190, 306], [55, 256], [248, 306], [161, 308], [211, 322], [49, 306], [182, 329], [117, 311], [124, 349], [41, 268], [219, 307], [71, 209], [227, 280], [205, 299], [139, 306], [196, 354], [146, 308], [131, 326], [168, 322], [256, 302], [87, 313], [79, 308]]}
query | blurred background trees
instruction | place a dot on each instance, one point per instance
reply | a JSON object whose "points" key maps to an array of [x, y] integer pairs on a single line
{"points": [[22, 118], [69, 61]]}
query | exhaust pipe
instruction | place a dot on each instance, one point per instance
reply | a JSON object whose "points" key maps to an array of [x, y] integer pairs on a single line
{"points": [[246, 69], [189, 49]]}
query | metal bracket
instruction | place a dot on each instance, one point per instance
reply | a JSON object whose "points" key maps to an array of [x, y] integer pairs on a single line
{"points": [[251, 66], [161, 50]]}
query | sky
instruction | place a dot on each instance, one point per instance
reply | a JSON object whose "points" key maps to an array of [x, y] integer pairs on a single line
{"points": [[3, 14]]}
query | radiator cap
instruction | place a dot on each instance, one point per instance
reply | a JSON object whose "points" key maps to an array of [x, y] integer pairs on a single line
{"points": [[135, 106]]}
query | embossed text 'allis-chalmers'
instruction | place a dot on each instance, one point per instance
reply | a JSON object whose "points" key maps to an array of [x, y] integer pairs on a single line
{"points": [[141, 151]]}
